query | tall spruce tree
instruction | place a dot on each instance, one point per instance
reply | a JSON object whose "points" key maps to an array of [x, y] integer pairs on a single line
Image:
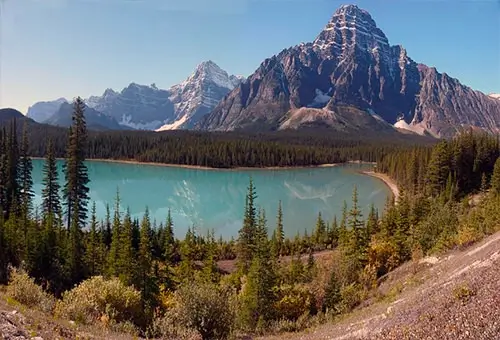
{"points": [[76, 190], [248, 233], [25, 179], [280, 233], [146, 282], [495, 178], [51, 205]]}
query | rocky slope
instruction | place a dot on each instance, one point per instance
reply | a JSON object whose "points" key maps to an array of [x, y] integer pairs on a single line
{"points": [[42, 111], [95, 120], [454, 296], [351, 63]]}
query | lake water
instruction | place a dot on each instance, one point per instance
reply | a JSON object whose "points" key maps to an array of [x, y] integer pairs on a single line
{"points": [[215, 199]]}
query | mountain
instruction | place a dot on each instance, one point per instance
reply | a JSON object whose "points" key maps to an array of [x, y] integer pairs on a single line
{"points": [[494, 95], [95, 120], [180, 107], [136, 106], [351, 66], [42, 111], [9, 114], [199, 94]]}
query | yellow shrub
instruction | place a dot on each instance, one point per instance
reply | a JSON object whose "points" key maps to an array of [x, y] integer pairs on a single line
{"points": [[467, 235], [97, 297], [293, 301], [23, 289]]}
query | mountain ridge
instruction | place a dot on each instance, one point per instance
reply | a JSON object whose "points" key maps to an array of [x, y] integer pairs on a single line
{"points": [[146, 107], [351, 62]]}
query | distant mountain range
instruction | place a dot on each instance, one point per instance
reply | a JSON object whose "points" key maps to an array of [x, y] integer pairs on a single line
{"points": [[348, 79], [148, 107]]}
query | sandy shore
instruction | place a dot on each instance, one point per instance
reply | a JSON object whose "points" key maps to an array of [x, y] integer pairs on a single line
{"points": [[198, 167], [387, 180]]}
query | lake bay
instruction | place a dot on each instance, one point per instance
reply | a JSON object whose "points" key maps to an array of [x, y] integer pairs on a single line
{"points": [[215, 199]]}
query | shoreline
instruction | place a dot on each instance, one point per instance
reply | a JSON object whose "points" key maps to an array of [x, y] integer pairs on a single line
{"points": [[200, 167], [389, 182]]}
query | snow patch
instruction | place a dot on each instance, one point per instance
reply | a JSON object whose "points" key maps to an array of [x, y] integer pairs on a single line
{"points": [[495, 95], [175, 125], [127, 121], [401, 124], [321, 98]]}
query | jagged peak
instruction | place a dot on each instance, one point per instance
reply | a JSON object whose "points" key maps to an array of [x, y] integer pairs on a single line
{"points": [[209, 71], [350, 26]]}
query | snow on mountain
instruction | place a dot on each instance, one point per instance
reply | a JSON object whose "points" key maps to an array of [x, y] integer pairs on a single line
{"points": [[199, 94], [42, 111], [145, 107], [494, 95]]}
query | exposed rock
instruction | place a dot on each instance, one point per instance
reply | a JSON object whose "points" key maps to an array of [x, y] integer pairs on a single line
{"points": [[351, 63]]}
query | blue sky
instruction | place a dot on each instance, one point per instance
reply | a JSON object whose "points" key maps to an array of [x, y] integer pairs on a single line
{"points": [[65, 48]]}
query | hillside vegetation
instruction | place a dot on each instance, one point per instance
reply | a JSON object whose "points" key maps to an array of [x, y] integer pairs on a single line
{"points": [[133, 277]]}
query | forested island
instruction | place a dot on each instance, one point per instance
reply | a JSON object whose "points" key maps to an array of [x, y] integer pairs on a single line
{"points": [[132, 276]]}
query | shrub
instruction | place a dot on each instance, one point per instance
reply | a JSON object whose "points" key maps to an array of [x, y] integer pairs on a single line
{"points": [[351, 296], [463, 293], [203, 307], [98, 299], [293, 301], [24, 290]]}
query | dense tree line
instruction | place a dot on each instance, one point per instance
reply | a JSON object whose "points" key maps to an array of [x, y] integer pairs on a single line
{"points": [[179, 283], [225, 150]]}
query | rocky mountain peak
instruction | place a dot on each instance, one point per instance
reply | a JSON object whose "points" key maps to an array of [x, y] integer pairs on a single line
{"points": [[351, 26], [209, 71]]}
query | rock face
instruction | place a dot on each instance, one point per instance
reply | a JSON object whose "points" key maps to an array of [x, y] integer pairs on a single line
{"points": [[42, 111], [180, 107], [136, 106], [198, 95], [351, 63], [95, 120]]}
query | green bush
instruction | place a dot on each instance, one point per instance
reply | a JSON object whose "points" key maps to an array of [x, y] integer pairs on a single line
{"points": [[97, 299], [24, 290], [201, 307]]}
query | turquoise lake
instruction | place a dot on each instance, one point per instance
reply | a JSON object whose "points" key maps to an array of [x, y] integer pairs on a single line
{"points": [[214, 199]]}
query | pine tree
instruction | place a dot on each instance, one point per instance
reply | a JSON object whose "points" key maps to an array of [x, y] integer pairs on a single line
{"points": [[332, 295], [257, 295], [495, 178], [76, 191], [93, 247], [26, 181], [169, 241], [146, 281], [319, 233], [113, 255], [51, 205], [372, 222], [247, 234], [126, 252], [280, 233], [210, 269], [186, 267], [106, 229], [333, 233], [11, 189]]}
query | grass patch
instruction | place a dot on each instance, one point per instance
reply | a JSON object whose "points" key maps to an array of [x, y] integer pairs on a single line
{"points": [[463, 293]]}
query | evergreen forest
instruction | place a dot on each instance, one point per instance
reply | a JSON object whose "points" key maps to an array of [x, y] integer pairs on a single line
{"points": [[134, 276]]}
